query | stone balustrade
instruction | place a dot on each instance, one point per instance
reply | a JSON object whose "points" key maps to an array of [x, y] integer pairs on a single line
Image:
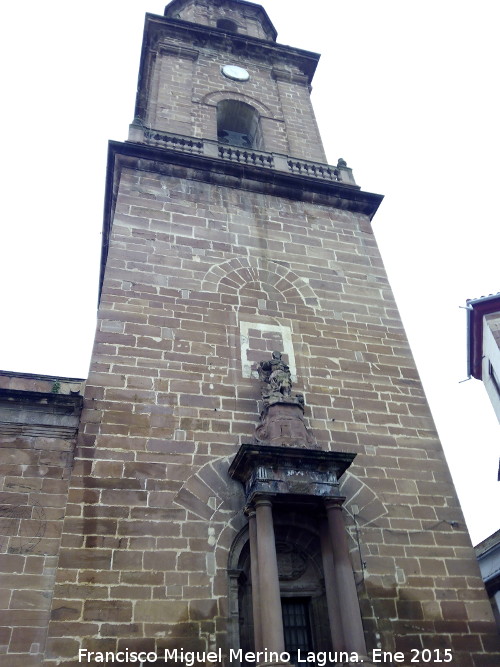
{"points": [[175, 141], [236, 154], [314, 169], [284, 163]]}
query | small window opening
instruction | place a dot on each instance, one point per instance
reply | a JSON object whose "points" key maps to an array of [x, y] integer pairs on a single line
{"points": [[227, 25], [296, 625], [238, 124]]}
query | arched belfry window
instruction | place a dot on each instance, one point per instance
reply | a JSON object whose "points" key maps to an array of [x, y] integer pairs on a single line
{"points": [[238, 124], [227, 25]]}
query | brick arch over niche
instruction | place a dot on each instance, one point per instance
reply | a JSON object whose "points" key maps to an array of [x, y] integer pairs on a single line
{"points": [[361, 500], [216, 96], [210, 492], [217, 502], [240, 274], [267, 121], [363, 511]]}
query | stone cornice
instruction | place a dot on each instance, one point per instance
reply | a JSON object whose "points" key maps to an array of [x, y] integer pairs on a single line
{"points": [[39, 414], [158, 27], [37, 376], [64, 403]]}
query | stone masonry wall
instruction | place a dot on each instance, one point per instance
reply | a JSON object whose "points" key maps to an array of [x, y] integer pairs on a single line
{"points": [[186, 84], [196, 271], [38, 423], [249, 20]]}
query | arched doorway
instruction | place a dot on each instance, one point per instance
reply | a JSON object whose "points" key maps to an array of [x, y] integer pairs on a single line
{"points": [[302, 587]]}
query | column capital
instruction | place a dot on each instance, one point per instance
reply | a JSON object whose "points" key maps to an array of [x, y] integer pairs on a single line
{"points": [[334, 503], [249, 511], [262, 501]]}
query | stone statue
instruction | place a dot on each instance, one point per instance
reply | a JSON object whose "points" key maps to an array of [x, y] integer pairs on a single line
{"points": [[282, 416], [275, 375]]}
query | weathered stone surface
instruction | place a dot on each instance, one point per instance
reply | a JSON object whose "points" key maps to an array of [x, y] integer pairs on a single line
{"points": [[211, 265], [39, 417]]}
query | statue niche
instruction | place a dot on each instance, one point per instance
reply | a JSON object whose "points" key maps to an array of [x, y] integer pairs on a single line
{"points": [[282, 417]]}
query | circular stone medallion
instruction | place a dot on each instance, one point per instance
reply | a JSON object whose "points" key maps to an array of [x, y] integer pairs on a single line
{"points": [[234, 72]]}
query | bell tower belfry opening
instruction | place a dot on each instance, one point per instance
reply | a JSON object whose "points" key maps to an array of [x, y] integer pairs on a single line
{"points": [[256, 468], [238, 124]]}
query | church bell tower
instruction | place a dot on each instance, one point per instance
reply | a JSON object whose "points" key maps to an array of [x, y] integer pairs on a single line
{"points": [[257, 468]]}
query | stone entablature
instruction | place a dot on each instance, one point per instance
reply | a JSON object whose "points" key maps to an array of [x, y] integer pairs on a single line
{"points": [[39, 405], [286, 471]]}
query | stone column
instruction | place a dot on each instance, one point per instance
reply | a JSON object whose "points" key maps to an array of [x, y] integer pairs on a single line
{"points": [[254, 570], [352, 626], [269, 586], [332, 597]]}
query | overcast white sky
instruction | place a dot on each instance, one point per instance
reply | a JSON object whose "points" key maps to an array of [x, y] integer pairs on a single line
{"points": [[406, 92]]}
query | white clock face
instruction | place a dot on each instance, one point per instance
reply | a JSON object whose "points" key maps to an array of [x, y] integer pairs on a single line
{"points": [[234, 72]]}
